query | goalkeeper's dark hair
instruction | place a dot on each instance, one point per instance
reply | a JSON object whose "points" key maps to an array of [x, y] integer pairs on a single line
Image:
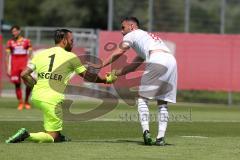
{"points": [[132, 19], [59, 34]]}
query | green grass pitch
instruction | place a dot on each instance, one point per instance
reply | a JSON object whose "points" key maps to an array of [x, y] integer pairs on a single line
{"points": [[195, 132]]}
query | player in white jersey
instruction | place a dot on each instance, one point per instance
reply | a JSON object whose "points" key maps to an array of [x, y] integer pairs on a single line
{"points": [[159, 81]]}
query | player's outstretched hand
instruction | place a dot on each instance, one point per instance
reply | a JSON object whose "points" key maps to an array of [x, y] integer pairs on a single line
{"points": [[111, 77]]}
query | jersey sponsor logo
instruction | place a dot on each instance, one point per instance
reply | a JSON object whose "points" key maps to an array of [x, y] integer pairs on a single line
{"points": [[19, 47], [20, 50], [48, 75]]}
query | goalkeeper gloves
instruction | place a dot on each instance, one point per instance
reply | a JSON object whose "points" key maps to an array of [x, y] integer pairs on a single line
{"points": [[111, 77]]}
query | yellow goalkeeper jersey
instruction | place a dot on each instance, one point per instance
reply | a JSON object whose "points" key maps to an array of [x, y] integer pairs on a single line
{"points": [[54, 67]]}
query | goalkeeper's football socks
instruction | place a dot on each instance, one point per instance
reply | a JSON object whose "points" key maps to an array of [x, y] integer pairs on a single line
{"points": [[20, 136], [147, 137], [41, 137]]}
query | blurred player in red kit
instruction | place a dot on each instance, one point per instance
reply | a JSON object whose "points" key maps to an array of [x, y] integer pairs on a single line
{"points": [[19, 50]]}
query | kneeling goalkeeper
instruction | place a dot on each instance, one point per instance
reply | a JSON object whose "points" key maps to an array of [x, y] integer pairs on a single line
{"points": [[54, 67]]}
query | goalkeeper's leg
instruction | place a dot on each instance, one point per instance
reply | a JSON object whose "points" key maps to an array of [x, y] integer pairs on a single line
{"points": [[49, 137], [41, 137], [52, 124], [22, 135], [52, 117]]}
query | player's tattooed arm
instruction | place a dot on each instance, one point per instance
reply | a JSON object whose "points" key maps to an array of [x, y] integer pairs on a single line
{"points": [[118, 52], [27, 78], [92, 77], [131, 67]]}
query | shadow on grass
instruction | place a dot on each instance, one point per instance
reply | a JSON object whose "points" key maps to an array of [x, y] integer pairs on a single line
{"points": [[139, 142], [108, 141], [116, 141]]}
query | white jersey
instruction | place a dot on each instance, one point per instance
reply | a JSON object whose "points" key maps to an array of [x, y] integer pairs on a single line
{"points": [[143, 42]]}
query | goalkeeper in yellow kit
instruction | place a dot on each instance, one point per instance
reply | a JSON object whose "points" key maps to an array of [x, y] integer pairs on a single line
{"points": [[54, 66]]}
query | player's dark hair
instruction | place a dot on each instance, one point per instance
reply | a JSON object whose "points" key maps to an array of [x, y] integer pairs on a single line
{"points": [[59, 34], [133, 19], [15, 26]]}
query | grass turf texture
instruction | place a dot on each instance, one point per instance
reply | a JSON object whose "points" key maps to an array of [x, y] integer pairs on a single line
{"points": [[195, 131], [215, 97]]}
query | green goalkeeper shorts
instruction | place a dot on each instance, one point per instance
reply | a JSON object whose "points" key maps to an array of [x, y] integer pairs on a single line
{"points": [[52, 115]]}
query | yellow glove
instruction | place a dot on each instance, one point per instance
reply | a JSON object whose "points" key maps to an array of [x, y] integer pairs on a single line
{"points": [[111, 77]]}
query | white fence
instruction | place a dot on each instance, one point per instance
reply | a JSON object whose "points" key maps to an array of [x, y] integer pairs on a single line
{"points": [[83, 37]]}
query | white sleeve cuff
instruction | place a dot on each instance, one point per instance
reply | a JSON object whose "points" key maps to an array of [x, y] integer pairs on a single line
{"points": [[32, 66]]}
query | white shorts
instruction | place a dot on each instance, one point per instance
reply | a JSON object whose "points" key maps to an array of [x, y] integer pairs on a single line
{"points": [[159, 80]]}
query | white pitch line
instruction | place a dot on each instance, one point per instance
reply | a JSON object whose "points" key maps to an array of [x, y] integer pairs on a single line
{"points": [[194, 137]]}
